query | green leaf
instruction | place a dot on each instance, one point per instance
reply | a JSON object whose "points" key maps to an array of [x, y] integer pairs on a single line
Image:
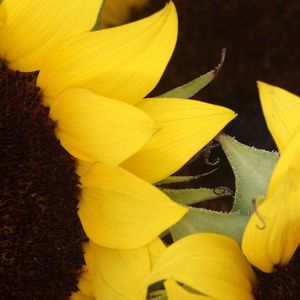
{"points": [[203, 220], [252, 170], [191, 88], [193, 196]]}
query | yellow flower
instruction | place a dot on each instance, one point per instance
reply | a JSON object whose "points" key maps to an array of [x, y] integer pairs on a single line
{"points": [[200, 266], [117, 11], [72, 103], [273, 233]]}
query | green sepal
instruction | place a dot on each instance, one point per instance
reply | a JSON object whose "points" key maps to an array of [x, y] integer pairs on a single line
{"points": [[177, 179], [193, 196], [97, 25], [158, 295], [252, 170], [183, 179], [203, 220], [191, 88]]}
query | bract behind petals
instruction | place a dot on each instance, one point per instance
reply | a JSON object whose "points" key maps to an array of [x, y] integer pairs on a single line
{"points": [[33, 27], [272, 237], [121, 211], [186, 127], [281, 109], [210, 264], [96, 128], [124, 62]]}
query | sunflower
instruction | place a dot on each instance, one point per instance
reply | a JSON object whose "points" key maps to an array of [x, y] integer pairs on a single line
{"points": [[79, 139]]}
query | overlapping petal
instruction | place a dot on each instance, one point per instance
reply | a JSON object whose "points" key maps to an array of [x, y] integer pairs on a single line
{"points": [[210, 264], [156, 248], [96, 128], [272, 237], [125, 62], [81, 296], [117, 11], [276, 227], [117, 274], [33, 27], [85, 283], [186, 127], [281, 109], [121, 211]]}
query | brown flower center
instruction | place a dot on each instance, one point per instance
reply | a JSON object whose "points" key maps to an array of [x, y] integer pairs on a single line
{"points": [[283, 284], [40, 233]]}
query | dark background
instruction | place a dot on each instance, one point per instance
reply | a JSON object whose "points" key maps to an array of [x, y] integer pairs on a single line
{"points": [[263, 42]]}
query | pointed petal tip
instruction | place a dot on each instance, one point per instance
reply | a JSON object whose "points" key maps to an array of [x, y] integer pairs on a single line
{"points": [[228, 114], [187, 126], [261, 85]]}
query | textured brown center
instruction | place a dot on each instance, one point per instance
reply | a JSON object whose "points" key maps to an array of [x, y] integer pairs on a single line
{"points": [[40, 233], [283, 284]]}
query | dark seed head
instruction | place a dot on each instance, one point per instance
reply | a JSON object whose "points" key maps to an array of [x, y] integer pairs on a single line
{"points": [[283, 284], [40, 233]]}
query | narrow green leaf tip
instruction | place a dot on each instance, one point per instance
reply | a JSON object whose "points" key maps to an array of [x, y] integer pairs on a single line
{"points": [[193, 196], [183, 179], [191, 88], [97, 25]]}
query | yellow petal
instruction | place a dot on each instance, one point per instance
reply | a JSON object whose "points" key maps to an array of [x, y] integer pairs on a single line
{"points": [[156, 248], [81, 296], [187, 126], [210, 264], [281, 109], [117, 274], [85, 284], [2, 16], [272, 237], [287, 160], [176, 292], [33, 27], [124, 62], [95, 128], [117, 11], [121, 211], [82, 167]]}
